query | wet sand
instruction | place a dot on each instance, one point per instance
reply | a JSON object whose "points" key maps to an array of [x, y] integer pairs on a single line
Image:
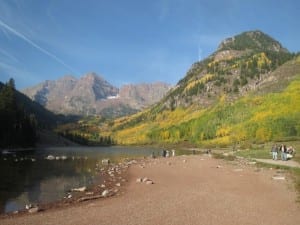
{"points": [[187, 190]]}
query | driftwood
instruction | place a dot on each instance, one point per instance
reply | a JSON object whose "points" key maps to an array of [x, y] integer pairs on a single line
{"points": [[87, 198]]}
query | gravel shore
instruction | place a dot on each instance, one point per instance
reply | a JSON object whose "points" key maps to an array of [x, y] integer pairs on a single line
{"points": [[185, 190]]}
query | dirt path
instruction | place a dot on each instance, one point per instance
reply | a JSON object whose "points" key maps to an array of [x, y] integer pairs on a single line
{"points": [[289, 163], [187, 190]]}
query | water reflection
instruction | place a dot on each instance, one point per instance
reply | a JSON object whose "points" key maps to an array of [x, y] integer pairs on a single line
{"points": [[29, 177]]}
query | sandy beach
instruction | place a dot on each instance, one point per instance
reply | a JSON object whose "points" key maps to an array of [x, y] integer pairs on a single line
{"points": [[186, 190]]}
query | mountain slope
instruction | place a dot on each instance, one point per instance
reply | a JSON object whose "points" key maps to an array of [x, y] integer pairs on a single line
{"points": [[238, 94], [91, 95], [231, 70], [21, 118]]}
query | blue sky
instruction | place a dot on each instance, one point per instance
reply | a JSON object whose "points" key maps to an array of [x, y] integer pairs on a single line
{"points": [[130, 41]]}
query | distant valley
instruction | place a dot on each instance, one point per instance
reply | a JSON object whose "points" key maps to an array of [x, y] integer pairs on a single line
{"points": [[92, 94]]}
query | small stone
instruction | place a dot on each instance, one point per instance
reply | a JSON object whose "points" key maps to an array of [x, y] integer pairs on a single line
{"points": [[139, 180], [81, 189], [33, 210], [278, 178], [105, 193], [184, 161], [28, 206], [118, 184], [149, 182], [102, 186], [105, 161], [145, 179], [218, 166]]}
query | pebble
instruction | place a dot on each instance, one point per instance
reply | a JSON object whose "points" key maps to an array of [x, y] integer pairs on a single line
{"points": [[105, 193], [145, 179], [81, 189], [149, 182], [33, 210], [278, 178]]}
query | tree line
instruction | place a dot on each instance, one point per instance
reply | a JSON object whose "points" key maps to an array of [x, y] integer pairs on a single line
{"points": [[18, 128], [94, 140]]}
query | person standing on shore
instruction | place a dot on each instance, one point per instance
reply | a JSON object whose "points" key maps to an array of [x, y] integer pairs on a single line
{"points": [[283, 152], [274, 151]]}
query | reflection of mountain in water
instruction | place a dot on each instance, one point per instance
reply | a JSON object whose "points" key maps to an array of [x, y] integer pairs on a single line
{"points": [[24, 181]]}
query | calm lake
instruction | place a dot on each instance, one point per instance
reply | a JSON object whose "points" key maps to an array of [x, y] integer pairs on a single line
{"points": [[29, 177]]}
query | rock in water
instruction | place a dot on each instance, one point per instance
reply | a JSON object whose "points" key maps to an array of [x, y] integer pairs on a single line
{"points": [[50, 157], [81, 189], [105, 161]]}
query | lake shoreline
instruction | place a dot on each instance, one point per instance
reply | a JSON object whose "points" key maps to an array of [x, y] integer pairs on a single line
{"points": [[111, 178], [185, 189]]}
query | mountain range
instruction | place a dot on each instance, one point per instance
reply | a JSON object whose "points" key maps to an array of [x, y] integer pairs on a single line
{"points": [[247, 91], [91, 94]]}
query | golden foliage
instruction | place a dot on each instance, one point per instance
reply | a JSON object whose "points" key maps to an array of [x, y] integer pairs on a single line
{"points": [[204, 79]]}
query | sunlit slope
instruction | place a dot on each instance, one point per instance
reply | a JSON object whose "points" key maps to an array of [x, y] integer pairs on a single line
{"points": [[270, 112], [246, 91]]}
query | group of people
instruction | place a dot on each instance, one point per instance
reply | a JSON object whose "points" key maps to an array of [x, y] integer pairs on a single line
{"points": [[167, 153], [286, 152]]}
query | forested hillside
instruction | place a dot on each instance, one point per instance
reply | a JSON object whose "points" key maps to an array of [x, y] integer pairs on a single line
{"points": [[248, 91], [18, 129], [272, 113], [21, 118]]}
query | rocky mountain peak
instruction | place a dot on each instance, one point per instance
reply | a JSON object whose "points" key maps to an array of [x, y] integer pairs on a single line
{"points": [[240, 65], [92, 94], [251, 40]]}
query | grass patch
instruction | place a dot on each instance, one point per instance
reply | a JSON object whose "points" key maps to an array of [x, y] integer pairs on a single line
{"points": [[255, 153], [228, 157]]}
